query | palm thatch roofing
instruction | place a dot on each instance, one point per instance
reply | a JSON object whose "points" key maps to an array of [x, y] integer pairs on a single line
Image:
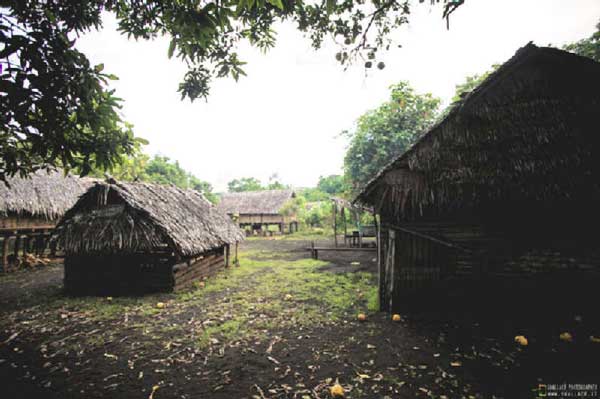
{"points": [[267, 202], [528, 132], [44, 194], [116, 217]]}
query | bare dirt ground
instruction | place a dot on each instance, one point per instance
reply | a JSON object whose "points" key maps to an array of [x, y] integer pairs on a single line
{"points": [[279, 326]]}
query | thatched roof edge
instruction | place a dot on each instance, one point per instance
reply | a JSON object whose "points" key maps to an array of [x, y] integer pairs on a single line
{"points": [[133, 217], [471, 98], [44, 194], [265, 202]]}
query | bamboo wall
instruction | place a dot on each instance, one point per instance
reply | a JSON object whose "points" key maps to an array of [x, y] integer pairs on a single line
{"points": [[22, 235], [187, 273], [410, 266], [437, 260], [139, 273]]}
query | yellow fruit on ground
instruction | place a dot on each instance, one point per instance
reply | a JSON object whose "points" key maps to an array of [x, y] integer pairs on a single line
{"points": [[288, 297], [396, 317], [201, 284], [521, 340], [337, 391], [567, 337], [160, 305], [362, 317], [109, 298]]}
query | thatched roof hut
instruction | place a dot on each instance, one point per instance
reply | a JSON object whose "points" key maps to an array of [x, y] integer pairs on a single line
{"points": [[46, 195], [507, 183], [136, 217], [527, 133], [124, 238], [256, 209], [267, 202]]}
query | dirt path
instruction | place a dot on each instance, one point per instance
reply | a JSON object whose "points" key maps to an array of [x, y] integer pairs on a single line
{"points": [[279, 326]]}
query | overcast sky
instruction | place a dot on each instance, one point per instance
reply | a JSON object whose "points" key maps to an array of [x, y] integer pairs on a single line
{"points": [[286, 115]]}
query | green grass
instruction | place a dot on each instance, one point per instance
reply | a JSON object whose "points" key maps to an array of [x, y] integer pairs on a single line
{"points": [[264, 294]]}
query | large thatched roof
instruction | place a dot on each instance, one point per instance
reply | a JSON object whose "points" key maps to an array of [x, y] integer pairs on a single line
{"points": [[267, 202], [42, 194], [136, 217], [529, 132]]}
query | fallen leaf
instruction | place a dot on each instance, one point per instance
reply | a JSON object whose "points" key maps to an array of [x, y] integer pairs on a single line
{"points": [[154, 389]]}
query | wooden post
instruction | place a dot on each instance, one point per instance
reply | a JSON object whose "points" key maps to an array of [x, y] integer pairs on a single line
{"points": [[345, 227], [379, 265], [17, 245], [335, 223], [26, 243], [376, 224], [5, 252], [236, 260], [227, 255], [53, 245]]}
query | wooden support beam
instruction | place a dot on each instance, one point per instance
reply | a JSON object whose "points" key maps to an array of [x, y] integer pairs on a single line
{"points": [[5, 252], [227, 255], [345, 226], [53, 245], [17, 245], [26, 243], [237, 260], [334, 207]]}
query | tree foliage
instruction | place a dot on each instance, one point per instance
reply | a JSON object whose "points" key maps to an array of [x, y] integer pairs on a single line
{"points": [[471, 82], [332, 184], [244, 184], [386, 132], [253, 184], [275, 183], [57, 108], [158, 169], [588, 47], [293, 206]]}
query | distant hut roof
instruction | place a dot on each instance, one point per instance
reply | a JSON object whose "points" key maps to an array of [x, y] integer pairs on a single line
{"points": [[267, 202], [526, 132], [42, 194], [135, 217]]}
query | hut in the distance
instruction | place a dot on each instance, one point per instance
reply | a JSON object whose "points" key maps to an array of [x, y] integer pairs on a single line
{"points": [[506, 186], [131, 238], [30, 208], [258, 209]]}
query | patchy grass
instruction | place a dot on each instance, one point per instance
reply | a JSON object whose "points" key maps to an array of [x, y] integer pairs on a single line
{"points": [[265, 294]]}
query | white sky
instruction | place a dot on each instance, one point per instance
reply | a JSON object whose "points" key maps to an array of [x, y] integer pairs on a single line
{"points": [[286, 115]]}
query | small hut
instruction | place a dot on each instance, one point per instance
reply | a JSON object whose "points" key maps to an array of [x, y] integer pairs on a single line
{"points": [[260, 209], [30, 208], [506, 185], [132, 238]]}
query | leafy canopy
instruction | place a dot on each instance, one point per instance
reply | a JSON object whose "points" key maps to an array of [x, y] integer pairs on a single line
{"points": [[588, 47], [382, 134], [56, 108], [244, 184], [158, 169], [332, 184], [253, 184]]}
